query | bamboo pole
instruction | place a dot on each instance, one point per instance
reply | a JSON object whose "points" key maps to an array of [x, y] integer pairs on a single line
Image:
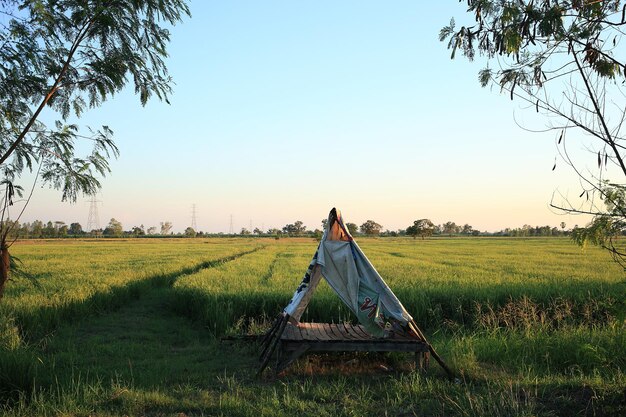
{"points": [[268, 334], [417, 330], [273, 344]]}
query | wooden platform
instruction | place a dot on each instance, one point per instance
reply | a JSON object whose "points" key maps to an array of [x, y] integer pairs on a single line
{"points": [[295, 341]]}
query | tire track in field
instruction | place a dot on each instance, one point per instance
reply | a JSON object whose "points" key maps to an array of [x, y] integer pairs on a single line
{"points": [[208, 265], [114, 298], [270, 270]]}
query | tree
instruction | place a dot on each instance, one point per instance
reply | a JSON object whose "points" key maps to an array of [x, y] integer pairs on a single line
{"points": [[137, 231], [166, 228], [450, 228], [37, 229], [296, 229], [69, 56], [421, 227], [370, 227], [467, 229], [49, 230], [352, 228], [151, 230], [114, 229], [274, 232], [564, 59], [244, 231], [257, 231], [75, 229], [190, 232]]}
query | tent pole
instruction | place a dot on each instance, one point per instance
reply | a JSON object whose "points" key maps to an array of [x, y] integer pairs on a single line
{"points": [[417, 330], [268, 334], [270, 337], [273, 344]]}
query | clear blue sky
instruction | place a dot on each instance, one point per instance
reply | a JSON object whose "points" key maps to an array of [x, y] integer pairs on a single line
{"points": [[283, 110]]}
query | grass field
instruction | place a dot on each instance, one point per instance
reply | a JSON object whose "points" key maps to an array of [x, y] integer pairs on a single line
{"points": [[114, 327]]}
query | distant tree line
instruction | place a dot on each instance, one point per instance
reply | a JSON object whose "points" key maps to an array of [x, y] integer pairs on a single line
{"points": [[420, 228], [58, 229]]}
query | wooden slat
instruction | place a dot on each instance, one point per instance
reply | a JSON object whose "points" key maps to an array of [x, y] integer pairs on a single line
{"points": [[363, 334], [312, 332], [339, 335], [301, 334], [361, 330], [353, 334], [318, 328], [329, 333], [307, 334], [323, 336]]}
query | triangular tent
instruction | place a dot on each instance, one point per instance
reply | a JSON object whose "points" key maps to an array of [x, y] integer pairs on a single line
{"points": [[355, 280], [357, 283]]}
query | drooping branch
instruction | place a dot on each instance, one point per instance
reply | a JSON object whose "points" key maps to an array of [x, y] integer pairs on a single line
{"points": [[53, 89], [599, 114]]}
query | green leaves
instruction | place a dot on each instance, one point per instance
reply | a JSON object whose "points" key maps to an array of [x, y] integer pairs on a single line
{"points": [[484, 77], [531, 31], [563, 58], [71, 55]]}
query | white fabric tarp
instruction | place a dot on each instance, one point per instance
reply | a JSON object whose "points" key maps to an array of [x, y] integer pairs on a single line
{"points": [[355, 280]]}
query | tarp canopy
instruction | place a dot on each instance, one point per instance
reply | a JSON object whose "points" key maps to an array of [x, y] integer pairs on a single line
{"points": [[355, 280]]}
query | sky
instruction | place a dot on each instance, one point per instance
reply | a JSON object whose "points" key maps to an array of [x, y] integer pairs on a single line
{"points": [[282, 110]]}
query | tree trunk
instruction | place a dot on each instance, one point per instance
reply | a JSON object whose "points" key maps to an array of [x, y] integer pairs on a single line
{"points": [[5, 262]]}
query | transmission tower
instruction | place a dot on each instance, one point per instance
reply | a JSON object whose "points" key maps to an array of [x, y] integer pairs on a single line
{"points": [[231, 230], [93, 222], [194, 226]]}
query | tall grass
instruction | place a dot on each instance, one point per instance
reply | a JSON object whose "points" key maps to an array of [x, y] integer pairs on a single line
{"points": [[75, 279], [444, 284], [518, 318]]}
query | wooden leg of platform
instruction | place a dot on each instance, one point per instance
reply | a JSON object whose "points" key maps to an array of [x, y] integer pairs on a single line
{"points": [[292, 356], [422, 361]]}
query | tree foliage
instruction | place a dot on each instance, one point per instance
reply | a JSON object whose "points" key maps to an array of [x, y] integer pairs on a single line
{"points": [[421, 227], [166, 228], [352, 228], [114, 228], [564, 59], [294, 229], [370, 227], [69, 56], [451, 228]]}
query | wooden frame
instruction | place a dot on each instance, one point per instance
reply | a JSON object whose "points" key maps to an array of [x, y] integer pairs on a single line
{"points": [[295, 340]]}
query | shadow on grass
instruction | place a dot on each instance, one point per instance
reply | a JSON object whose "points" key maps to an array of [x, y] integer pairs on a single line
{"points": [[37, 323], [19, 366], [143, 345]]}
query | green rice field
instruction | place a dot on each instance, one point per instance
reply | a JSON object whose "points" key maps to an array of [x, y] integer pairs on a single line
{"points": [[532, 327]]}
